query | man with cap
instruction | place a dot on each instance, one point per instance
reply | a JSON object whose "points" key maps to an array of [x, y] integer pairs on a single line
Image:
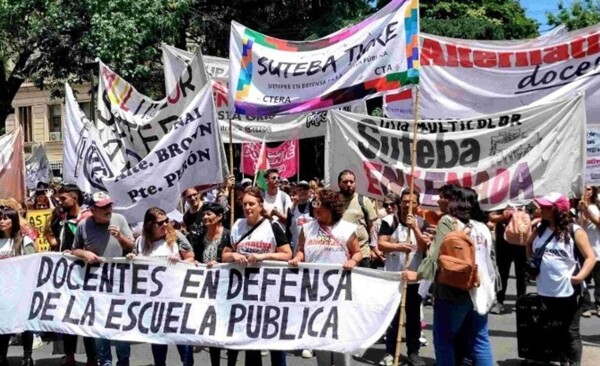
{"points": [[101, 236], [301, 211], [246, 182]]}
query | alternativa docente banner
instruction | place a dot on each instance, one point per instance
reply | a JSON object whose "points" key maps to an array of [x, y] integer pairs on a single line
{"points": [[515, 155], [315, 306]]}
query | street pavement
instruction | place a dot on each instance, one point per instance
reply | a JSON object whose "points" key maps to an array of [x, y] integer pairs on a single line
{"points": [[502, 332]]}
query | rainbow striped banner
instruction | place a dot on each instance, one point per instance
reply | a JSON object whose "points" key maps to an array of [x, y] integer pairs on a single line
{"points": [[270, 76]]}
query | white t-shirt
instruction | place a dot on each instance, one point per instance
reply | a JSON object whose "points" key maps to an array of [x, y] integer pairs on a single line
{"points": [[394, 261], [558, 265], [6, 246], [299, 218], [593, 231], [320, 247], [160, 248], [281, 201], [264, 239]]}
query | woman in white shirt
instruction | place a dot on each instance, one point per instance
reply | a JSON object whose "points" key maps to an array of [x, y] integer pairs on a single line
{"points": [[13, 243], [556, 241], [160, 239], [589, 219], [329, 239]]}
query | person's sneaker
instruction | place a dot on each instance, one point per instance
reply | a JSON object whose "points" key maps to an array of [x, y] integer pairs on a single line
{"points": [[307, 353], [588, 313], [37, 342], [387, 360], [70, 360], [264, 353], [415, 360], [423, 341], [498, 308]]}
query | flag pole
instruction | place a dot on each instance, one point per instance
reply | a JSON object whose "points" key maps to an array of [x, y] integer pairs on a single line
{"points": [[413, 158], [232, 193]]}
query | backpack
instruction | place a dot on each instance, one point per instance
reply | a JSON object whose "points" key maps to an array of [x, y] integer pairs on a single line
{"points": [[456, 262], [518, 227]]}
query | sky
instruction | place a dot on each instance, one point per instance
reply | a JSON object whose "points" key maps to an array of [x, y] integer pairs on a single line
{"points": [[537, 9]]}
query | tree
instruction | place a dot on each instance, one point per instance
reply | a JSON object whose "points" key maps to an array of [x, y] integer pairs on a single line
{"points": [[580, 14], [475, 19], [49, 42]]}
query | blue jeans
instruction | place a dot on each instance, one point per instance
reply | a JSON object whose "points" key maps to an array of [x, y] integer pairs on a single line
{"points": [[159, 353], [104, 354], [458, 332]]}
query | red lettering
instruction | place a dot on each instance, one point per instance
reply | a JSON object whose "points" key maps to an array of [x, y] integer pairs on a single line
{"points": [[593, 44], [372, 181], [535, 57], [484, 59], [556, 54], [465, 57], [522, 60], [500, 186], [577, 48], [432, 53], [452, 60], [504, 59]]}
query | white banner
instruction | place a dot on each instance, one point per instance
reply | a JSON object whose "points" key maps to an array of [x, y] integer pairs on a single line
{"points": [[270, 76], [189, 154], [37, 168], [467, 78], [248, 128], [515, 155], [272, 306]]}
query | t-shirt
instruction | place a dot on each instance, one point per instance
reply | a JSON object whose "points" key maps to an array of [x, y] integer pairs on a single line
{"points": [[300, 216], [264, 239], [281, 201], [161, 248], [191, 218], [353, 213], [592, 230], [97, 239], [558, 265], [394, 261], [320, 247], [7, 246]]}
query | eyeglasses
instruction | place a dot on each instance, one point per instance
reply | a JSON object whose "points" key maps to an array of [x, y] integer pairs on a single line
{"points": [[316, 203], [162, 222], [274, 178], [388, 204], [189, 196]]}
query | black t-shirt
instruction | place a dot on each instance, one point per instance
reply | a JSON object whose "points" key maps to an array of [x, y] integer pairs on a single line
{"points": [[191, 218]]}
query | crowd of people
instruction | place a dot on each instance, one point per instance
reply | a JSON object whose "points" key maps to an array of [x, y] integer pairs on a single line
{"points": [[306, 222]]}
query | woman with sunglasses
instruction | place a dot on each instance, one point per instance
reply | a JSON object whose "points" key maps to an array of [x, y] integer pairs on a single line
{"points": [[160, 239], [13, 243], [329, 239], [255, 239]]}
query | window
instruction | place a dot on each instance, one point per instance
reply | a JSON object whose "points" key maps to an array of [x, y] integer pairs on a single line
{"points": [[86, 107], [26, 121], [55, 122]]}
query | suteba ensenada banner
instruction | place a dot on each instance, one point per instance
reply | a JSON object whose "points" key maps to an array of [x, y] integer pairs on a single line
{"points": [[270, 76], [145, 300], [512, 156]]}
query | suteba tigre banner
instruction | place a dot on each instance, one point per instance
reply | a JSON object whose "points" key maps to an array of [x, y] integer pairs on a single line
{"points": [[512, 156], [270, 76], [145, 300]]}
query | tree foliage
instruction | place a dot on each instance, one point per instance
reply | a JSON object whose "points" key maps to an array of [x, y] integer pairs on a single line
{"points": [[580, 14]]}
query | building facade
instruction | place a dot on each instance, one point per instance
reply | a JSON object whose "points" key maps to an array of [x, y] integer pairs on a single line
{"points": [[43, 120]]}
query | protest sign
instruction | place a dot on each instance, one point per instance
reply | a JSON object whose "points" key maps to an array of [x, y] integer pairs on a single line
{"points": [[468, 78], [248, 128], [315, 306], [592, 168], [39, 219], [515, 155], [189, 154], [270, 76], [37, 168], [12, 166], [284, 158]]}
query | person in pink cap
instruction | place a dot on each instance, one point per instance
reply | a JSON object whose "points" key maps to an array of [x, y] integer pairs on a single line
{"points": [[556, 244]]}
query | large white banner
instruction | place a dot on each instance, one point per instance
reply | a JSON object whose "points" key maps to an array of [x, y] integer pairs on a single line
{"points": [[37, 168], [248, 128], [189, 154], [510, 156], [467, 78], [272, 306], [270, 76]]}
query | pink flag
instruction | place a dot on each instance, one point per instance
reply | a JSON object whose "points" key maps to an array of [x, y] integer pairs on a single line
{"points": [[12, 166], [283, 158]]}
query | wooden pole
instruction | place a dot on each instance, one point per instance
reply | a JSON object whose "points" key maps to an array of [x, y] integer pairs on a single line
{"points": [[413, 158], [232, 193]]}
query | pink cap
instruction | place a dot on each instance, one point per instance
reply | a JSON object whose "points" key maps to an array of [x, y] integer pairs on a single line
{"points": [[101, 199], [554, 199]]}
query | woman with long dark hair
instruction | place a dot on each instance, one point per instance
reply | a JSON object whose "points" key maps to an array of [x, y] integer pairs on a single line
{"points": [[255, 239], [329, 239], [589, 219], [13, 243], [160, 239], [559, 244], [460, 318]]}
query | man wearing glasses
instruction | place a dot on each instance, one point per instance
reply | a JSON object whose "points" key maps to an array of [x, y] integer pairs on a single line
{"points": [[101, 236], [277, 202], [194, 214]]}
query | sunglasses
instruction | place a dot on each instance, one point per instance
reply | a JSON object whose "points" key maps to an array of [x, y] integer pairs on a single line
{"points": [[162, 222], [388, 204]]}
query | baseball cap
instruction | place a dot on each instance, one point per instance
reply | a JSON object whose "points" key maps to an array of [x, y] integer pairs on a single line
{"points": [[303, 183], [101, 199], [246, 181], [284, 180], [554, 199]]}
